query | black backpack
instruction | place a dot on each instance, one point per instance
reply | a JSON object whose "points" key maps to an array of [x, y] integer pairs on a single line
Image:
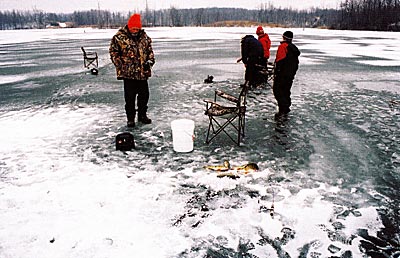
{"points": [[124, 141]]}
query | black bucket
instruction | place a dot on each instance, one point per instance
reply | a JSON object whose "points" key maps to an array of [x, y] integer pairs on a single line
{"points": [[124, 141]]}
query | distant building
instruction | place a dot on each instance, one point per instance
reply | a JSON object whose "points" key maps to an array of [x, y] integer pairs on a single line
{"points": [[394, 26], [58, 25]]}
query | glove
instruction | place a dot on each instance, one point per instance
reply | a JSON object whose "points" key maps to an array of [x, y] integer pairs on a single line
{"points": [[147, 66]]}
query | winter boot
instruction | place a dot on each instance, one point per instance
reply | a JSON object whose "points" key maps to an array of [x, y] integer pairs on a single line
{"points": [[131, 123], [144, 119]]}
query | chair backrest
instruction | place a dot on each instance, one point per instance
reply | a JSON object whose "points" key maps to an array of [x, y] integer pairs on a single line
{"points": [[84, 52], [89, 55]]}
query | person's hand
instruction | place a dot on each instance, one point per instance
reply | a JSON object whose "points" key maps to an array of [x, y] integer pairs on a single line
{"points": [[147, 73], [147, 66]]}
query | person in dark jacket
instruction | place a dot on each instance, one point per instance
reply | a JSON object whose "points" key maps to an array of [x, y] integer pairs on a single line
{"points": [[132, 54], [286, 65], [252, 55]]}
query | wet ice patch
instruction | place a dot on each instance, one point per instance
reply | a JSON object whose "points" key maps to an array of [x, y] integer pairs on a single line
{"points": [[390, 86], [378, 45]]}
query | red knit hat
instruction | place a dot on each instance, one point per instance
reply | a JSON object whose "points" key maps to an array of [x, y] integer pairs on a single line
{"points": [[259, 30], [134, 21]]}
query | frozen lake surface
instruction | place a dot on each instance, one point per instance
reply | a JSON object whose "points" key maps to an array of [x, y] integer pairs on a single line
{"points": [[331, 170]]}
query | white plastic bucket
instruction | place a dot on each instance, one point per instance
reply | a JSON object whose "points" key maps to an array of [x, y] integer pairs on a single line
{"points": [[182, 135]]}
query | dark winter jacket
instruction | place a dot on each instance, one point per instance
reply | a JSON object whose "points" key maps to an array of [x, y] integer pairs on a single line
{"points": [[287, 59], [130, 54], [252, 50]]}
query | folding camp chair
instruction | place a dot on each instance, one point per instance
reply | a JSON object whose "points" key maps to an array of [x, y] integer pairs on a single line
{"points": [[90, 59], [223, 114], [267, 73]]}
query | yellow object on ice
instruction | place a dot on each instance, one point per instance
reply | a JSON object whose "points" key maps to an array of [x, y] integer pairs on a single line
{"points": [[225, 167], [245, 169], [233, 172]]}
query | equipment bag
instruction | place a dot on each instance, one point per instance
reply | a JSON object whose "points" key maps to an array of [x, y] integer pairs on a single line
{"points": [[124, 142]]}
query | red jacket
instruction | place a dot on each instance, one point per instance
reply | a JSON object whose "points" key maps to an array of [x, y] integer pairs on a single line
{"points": [[282, 50], [266, 43], [287, 59]]}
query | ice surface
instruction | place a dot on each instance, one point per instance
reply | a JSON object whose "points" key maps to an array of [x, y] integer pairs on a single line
{"points": [[330, 170]]}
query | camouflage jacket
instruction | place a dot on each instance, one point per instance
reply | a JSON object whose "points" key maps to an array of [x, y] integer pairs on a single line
{"points": [[129, 54]]}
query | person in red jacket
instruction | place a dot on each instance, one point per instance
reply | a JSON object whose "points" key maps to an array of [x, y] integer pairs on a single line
{"points": [[286, 65], [265, 42]]}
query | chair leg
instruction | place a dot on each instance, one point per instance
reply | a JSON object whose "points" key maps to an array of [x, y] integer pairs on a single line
{"points": [[222, 129], [87, 62], [239, 131], [243, 120], [208, 131]]}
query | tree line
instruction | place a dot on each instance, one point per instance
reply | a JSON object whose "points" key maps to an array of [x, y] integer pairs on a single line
{"points": [[352, 14], [171, 17], [370, 14]]}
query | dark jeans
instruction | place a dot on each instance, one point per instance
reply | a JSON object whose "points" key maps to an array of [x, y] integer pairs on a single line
{"points": [[251, 74], [135, 89], [281, 89], [265, 61]]}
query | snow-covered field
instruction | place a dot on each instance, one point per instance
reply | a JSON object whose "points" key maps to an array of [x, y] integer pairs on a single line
{"points": [[331, 170]]}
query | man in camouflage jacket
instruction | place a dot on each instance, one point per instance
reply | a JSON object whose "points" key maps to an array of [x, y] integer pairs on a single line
{"points": [[132, 54]]}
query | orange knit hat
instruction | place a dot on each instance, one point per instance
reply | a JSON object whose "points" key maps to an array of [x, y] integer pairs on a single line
{"points": [[134, 21]]}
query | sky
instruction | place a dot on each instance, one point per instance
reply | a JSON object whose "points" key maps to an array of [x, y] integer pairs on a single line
{"points": [[130, 5]]}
